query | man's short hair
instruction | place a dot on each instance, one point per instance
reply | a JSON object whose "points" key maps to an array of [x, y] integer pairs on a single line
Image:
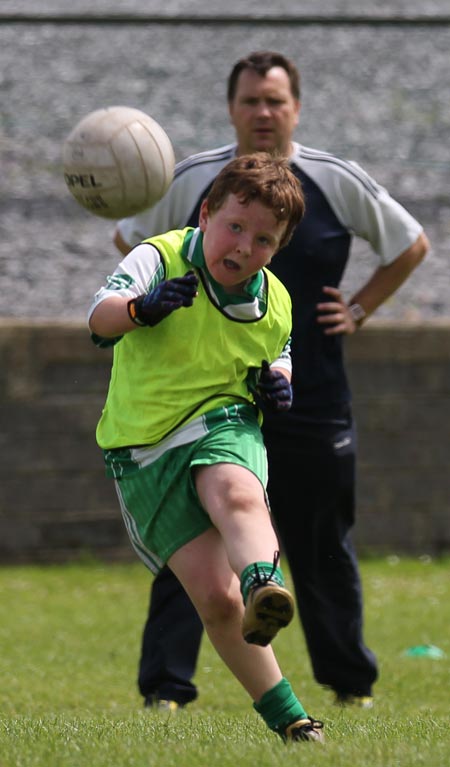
{"points": [[260, 62]]}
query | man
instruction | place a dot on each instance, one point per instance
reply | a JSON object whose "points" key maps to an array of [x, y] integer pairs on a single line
{"points": [[311, 449]]}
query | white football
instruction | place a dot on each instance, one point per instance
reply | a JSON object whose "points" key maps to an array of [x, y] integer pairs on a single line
{"points": [[117, 162]]}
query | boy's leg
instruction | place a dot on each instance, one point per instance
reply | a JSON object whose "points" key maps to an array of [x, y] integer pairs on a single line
{"points": [[202, 567], [235, 501]]}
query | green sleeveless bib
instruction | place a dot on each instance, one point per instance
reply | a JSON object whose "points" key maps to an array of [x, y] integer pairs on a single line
{"points": [[195, 360]]}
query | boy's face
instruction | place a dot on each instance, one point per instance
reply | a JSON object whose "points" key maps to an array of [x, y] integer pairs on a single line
{"points": [[238, 240]]}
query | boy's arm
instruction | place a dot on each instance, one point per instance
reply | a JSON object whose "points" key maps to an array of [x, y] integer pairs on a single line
{"points": [[117, 315], [110, 318]]}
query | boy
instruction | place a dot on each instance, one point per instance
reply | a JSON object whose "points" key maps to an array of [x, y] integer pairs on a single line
{"points": [[180, 428]]}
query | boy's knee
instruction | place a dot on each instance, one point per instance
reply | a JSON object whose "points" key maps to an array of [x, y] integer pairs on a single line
{"points": [[220, 606]]}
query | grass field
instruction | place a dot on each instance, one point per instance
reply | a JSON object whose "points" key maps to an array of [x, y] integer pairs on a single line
{"points": [[69, 645]]}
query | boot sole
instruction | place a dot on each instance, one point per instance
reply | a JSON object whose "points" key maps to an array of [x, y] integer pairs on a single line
{"points": [[270, 612]]}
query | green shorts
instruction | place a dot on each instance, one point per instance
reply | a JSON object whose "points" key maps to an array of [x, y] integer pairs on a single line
{"points": [[159, 502]]}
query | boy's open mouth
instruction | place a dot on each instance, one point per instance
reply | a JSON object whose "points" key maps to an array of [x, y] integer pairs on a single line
{"points": [[231, 265]]}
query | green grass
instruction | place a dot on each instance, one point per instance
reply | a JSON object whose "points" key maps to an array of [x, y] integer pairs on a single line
{"points": [[69, 646]]}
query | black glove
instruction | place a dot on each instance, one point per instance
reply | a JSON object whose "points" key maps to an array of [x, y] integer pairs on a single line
{"points": [[274, 388], [151, 308]]}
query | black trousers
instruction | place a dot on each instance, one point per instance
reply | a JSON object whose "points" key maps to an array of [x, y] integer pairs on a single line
{"points": [[312, 496], [170, 642]]}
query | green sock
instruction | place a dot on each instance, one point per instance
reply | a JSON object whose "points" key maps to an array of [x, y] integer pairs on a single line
{"points": [[257, 572], [279, 707]]}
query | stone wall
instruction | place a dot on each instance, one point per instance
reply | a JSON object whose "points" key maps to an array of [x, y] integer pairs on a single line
{"points": [[56, 504]]}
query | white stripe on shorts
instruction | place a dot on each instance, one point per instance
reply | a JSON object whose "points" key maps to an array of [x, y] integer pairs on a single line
{"points": [[151, 560]]}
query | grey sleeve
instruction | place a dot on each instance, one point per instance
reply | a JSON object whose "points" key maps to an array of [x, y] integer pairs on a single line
{"points": [[366, 209]]}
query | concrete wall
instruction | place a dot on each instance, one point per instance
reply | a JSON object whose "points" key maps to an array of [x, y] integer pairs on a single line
{"points": [[401, 386], [56, 504]]}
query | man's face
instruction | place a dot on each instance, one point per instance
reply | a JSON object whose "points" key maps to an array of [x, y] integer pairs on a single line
{"points": [[264, 112]]}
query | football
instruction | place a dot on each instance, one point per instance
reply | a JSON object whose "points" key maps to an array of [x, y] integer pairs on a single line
{"points": [[118, 161]]}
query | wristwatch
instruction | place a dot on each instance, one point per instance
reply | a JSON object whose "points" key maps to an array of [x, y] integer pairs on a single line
{"points": [[357, 312]]}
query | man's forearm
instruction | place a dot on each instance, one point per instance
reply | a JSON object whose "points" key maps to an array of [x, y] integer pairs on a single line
{"points": [[386, 280]]}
